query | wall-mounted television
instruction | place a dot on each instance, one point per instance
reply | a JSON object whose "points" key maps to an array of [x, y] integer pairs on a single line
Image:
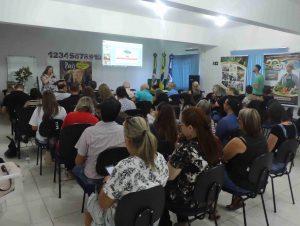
{"points": [[122, 54]]}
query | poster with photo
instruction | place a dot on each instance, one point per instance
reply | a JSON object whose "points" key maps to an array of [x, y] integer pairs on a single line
{"points": [[282, 73], [234, 71], [76, 71]]}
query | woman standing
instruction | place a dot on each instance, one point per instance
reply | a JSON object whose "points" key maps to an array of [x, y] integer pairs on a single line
{"points": [[48, 79]]}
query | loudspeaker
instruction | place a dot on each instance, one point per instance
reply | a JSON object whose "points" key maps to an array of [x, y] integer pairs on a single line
{"points": [[193, 78]]}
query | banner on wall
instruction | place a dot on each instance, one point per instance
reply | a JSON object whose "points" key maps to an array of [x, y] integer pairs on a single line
{"points": [[234, 70], [282, 74], [76, 71]]}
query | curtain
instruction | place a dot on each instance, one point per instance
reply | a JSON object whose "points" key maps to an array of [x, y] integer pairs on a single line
{"points": [[183, 66], [256, 57]]}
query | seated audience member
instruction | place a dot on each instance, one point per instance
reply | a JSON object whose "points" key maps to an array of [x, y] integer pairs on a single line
{"points": [[165, 129], [144, 169], [214, 99], [160, 97], [196, 88], [205, 106], [93, 85], [228, 125], [122, 96], [196, 151], [282, 130], [70, 102], [187, 102], [171, 86], [83, 114], [128, 90], [104, 92], [62, 89], [89, 92], [35, 98], [48, 110], [15, 101], [247, 98], [96, 139], [267, 95], [144, 94], [230, 92], [240, 153]]}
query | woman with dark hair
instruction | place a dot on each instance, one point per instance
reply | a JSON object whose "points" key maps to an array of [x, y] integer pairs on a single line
{"points": [[48, 79], [282, 130], [48, 110], [187, 102], [228, 125], [104, 92], [240, 153], [160, 97], [89, 92], [165, 130], [197, 149], [122, 96], [35, 98]]}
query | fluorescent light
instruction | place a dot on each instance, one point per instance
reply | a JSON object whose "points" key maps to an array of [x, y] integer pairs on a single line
{"points": [[220, 21], [157, 6]]}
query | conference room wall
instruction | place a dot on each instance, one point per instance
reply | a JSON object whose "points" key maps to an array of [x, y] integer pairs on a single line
{"points": [[18, 40], [241, 38]]}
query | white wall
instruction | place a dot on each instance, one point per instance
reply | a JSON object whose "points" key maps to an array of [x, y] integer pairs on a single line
{"points": [[33, 41], [241, 38]]}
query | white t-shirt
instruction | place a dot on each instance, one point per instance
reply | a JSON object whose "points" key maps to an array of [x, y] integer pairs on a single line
{"points": [[37, 118], [61, 95], [96, 139]]}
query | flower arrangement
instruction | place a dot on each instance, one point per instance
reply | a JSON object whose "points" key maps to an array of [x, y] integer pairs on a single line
{"points": [[22, 75]]}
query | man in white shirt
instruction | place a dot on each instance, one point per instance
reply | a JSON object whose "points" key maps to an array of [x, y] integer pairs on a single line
{"points": [[95, 139]]}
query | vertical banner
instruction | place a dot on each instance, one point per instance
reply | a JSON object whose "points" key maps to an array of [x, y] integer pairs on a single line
{"points": [[234, 70], [162, 71], [170, 74], [282, 74], [154, 68], [76, 71]]}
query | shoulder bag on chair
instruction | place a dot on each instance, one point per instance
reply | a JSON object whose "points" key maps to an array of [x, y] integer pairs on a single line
{"points": [[6, 186]]}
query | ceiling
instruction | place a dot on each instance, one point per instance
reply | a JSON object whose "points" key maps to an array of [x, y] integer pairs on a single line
{"points": [[142, 8]]}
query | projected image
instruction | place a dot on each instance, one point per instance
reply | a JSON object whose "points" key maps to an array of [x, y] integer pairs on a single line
{"points": [[122, 54]]}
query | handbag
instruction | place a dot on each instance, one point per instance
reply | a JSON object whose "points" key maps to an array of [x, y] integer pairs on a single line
{"points": [[6, 186]]}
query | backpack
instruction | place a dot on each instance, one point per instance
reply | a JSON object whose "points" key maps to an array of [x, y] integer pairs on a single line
{"points": [[50, 127]]}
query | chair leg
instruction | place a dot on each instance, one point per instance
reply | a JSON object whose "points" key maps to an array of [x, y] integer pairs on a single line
{"points": [[59, 181], [41, 161], [265, 212], [244, 214], [291, 189], [273, 193], [83, 202], [55, 168], [37, 156], [19, 149]]}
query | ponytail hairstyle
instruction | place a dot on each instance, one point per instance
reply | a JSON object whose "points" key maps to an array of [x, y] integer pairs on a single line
{"points": [[137, 131]]}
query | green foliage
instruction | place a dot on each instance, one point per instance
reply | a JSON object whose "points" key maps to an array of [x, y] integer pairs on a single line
{"points": [[22, 75]]}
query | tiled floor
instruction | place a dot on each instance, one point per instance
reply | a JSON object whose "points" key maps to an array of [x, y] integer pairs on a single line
{"points": [[47, 210]]}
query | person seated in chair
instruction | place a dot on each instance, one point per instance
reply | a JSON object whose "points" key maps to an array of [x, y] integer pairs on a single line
{"points": [[95, 139], [61, 92], [144, 169], [35, 98], [171, 86], [144, 94], [122, 96], [70, 102], [197, 150], [283, 130], [240, 153]]}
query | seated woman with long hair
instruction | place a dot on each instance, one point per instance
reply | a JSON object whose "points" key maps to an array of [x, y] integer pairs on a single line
{"points": [[240, 153], [196, 150], [164, 128], [83, 114], [144, 169]]}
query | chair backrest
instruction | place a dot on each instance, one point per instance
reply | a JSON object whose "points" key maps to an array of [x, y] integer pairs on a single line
{"points": [[22, 126], [286, 152], [175, 99], [145, 106], [259, 172], [68, 138], [50, 127], [134, 112], [208, 186], [110, 157], [141, 208]]}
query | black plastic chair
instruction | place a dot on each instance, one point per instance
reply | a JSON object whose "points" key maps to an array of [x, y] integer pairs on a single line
{"points": [[67, 152], [285, 156], [146, 207], [134, 112], [175, 99], [206, 194], [258, 177], [23, 131], [45, 145], [145, 107]]}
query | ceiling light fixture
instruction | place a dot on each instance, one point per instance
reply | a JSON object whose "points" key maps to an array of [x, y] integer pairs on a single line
{"points": [[158, 7], [220, 21]]}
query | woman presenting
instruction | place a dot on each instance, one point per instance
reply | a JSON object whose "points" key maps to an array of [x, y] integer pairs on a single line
{"points": [[48, 79]]}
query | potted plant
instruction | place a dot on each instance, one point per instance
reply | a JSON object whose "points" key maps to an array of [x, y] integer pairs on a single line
{"points": [[22, 75]]}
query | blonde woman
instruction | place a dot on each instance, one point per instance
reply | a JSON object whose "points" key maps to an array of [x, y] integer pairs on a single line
{"points": [[195, 88], [144, 169], [104, 92]]}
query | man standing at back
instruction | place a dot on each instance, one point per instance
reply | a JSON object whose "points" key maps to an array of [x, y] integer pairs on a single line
{"points": [[259, 82], [96, 139]]}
